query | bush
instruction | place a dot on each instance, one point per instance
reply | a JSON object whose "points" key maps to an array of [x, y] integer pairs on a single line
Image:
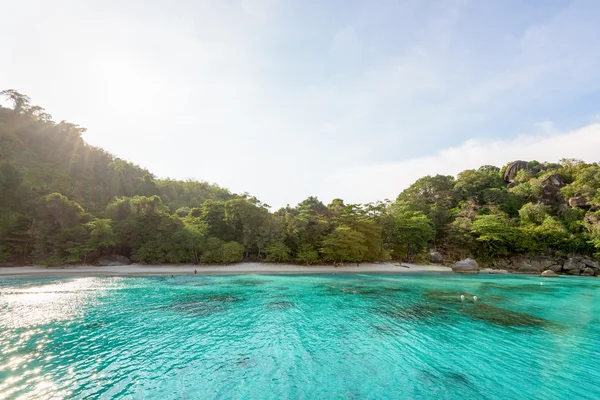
{"points": [[216, 250], [306, 254], [277, 252], [232, 252]]}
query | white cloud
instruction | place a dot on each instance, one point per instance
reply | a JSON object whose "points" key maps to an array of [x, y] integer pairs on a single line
{"points": [[376, 182]]}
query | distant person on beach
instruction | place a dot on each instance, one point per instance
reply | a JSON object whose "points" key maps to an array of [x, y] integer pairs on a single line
{"points": [[195, 271]]}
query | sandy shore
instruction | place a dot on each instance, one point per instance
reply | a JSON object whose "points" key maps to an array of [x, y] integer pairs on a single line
{"points": [[243, 268]]}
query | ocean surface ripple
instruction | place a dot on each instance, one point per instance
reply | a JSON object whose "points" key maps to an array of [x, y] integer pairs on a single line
{"points": [[300, 337]]}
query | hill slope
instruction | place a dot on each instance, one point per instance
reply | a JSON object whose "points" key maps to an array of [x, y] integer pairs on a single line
{"points": [[65, 201]]}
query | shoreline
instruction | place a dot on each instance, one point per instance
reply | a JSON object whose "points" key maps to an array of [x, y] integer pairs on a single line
{"points": [[233, 269]]}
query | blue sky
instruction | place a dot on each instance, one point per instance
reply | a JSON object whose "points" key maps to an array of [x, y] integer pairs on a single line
{"points": [[286, 99]]}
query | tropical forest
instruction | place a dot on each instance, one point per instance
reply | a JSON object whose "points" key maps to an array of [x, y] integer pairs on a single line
{"points": [[64, 201]]}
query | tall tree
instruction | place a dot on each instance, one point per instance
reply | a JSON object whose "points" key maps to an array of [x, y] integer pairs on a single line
{"points": [[413, 231]]}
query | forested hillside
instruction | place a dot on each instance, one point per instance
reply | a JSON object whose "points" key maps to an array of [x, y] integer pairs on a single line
{"points": [[64, 201]]}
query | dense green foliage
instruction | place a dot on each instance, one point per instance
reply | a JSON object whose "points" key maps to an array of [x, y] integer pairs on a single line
{"points": [[63, 201]]}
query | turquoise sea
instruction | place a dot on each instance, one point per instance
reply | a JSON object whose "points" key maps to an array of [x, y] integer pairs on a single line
{"points": [[300, 337]]}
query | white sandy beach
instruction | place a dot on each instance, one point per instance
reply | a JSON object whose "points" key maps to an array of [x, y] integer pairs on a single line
{"points": [[242, 268]]}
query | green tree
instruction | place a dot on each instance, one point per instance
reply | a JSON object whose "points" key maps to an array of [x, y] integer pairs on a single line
{"points": [[495, 233], [232, 252], [412, 232], [187, 243], [434, 196], [307, 254], [344, 244], [277, 252], [59, 230], [586, 184], [21, 102], [533, 213], [471, 184]]}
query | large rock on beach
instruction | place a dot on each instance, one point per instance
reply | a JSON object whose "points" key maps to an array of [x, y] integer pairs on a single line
{"points": [[436, 257], [587, 272], [524, 266], [555, 267], [466, 266], [572, 264], [580, 266], [492, 271], [590, 263], [549, 274], [113, 260], [542, 263]]}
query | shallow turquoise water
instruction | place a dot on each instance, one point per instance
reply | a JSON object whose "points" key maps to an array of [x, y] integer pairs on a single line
{"points": [[300, 337]]}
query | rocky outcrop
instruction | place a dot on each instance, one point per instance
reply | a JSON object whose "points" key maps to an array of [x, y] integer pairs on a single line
{"points": [[113, 260], [466, 266], [554, 180], [542, 262], [581, 266], [578, 201], [550, 194], [556, 267], [590, 263], [587, 272], [513, 168], [524, 266], [549, 274], [436, 257], [575, 265]]}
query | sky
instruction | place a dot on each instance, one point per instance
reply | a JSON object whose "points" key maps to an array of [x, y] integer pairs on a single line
{"points": [[290, 99]]}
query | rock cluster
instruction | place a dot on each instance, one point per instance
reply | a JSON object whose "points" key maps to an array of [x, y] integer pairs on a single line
{"points": [[550, 194], [580, 266], [466, 266], [436, 257], [535, 265]]}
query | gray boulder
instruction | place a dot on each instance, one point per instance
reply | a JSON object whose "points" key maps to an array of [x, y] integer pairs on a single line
{"points": [[556, 267], [528, 270], [549, 274], [578, 201], [466, 266], [436, 257], [523, 266], [513, 168], [589, 263], [113, 260], [542, 263], [573, 266], [587, 271], [554, 180]]}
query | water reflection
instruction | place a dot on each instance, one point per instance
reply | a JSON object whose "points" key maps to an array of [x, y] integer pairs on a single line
{"points": [[60, 301]]}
